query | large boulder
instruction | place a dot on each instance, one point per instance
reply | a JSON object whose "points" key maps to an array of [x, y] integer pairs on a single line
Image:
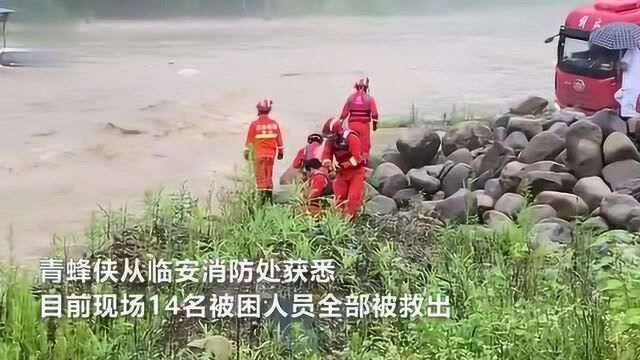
{"points": [[618, 147], [500, 133], [375, 160], [492, 188], [383, 172], [592, 190], [461, 156], [458, 207], [421, 181], [533, 105], [394, 184], [446, 168], [609, 122], [529, 127], [560, 129], [545, 165], [517, 141], [418, 146], [567, 206], [584, 154], [479, 182], [380, 205], [485, 202], [476, 164], [510, 204], [469, 134], [369, 191], [510, 176], [495, 158], [620, 173], [439, 159], [434, 170], [496, 220], [617, 208], [561, 117], [501, 122], [393, 156], [456, 179], [630, 187], [535, 182], [544, 146]]}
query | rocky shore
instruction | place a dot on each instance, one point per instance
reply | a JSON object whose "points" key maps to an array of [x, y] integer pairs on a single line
{"points": [[548, 168]]}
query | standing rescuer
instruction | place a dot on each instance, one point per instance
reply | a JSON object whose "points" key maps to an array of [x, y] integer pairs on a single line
{"points": [[265, 138], [309, 159], [344, 145], [361, 110]]}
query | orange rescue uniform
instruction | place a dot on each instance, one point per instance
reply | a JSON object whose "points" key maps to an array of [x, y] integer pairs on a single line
{"points": [[361, 109], [266, 139], [348, 186]]}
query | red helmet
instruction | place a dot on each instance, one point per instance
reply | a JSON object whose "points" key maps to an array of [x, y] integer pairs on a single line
{"points": [[264, 106], [362, 83], [332, 127]]}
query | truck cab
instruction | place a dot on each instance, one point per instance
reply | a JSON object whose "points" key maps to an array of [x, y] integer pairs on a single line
{"points": [[587, 78]]}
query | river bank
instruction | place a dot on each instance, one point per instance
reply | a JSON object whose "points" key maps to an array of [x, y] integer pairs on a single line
{"points": [[59, 160]]}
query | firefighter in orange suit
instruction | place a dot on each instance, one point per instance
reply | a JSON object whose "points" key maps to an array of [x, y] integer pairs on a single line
{"points": [[265, 137], [309, 159], [362, 113], [344, 146]]}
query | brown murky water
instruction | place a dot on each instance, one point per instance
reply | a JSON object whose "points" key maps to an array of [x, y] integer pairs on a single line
{"points": [[58, 161]]}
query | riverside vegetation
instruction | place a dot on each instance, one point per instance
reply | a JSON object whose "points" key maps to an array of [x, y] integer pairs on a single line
{"points": [[509, 299]]}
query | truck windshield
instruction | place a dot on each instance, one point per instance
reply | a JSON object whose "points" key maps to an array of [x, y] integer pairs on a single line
{"points": [[580, 59]]}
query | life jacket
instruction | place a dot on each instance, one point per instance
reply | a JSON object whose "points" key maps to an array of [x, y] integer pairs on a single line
{"points": [[312, 156], [341, 149], [360, 106]]}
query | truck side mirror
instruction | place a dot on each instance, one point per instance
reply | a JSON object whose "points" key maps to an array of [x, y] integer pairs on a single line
{"points": [[550, 39]]}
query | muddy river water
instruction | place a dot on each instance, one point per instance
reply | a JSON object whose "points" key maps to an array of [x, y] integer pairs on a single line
{"points": [[190, 88]]}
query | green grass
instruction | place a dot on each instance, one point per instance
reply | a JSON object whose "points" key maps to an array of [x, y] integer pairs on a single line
{"points": [[506, 301], [449, 118]]}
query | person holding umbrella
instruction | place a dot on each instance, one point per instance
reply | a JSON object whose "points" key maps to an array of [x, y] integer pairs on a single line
{"points": [[624, 37]]}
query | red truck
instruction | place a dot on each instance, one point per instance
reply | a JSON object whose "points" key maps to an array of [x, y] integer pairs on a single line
{"points": [[587, 78]]}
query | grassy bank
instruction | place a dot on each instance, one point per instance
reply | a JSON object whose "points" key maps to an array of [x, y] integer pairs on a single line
{"points": [[506, 302]]}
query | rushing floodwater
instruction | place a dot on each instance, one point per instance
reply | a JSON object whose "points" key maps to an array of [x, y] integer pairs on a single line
{"points": [[58, 161]]}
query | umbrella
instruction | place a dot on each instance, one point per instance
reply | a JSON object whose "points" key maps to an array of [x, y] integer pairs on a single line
{"points": [[616, 36]]}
